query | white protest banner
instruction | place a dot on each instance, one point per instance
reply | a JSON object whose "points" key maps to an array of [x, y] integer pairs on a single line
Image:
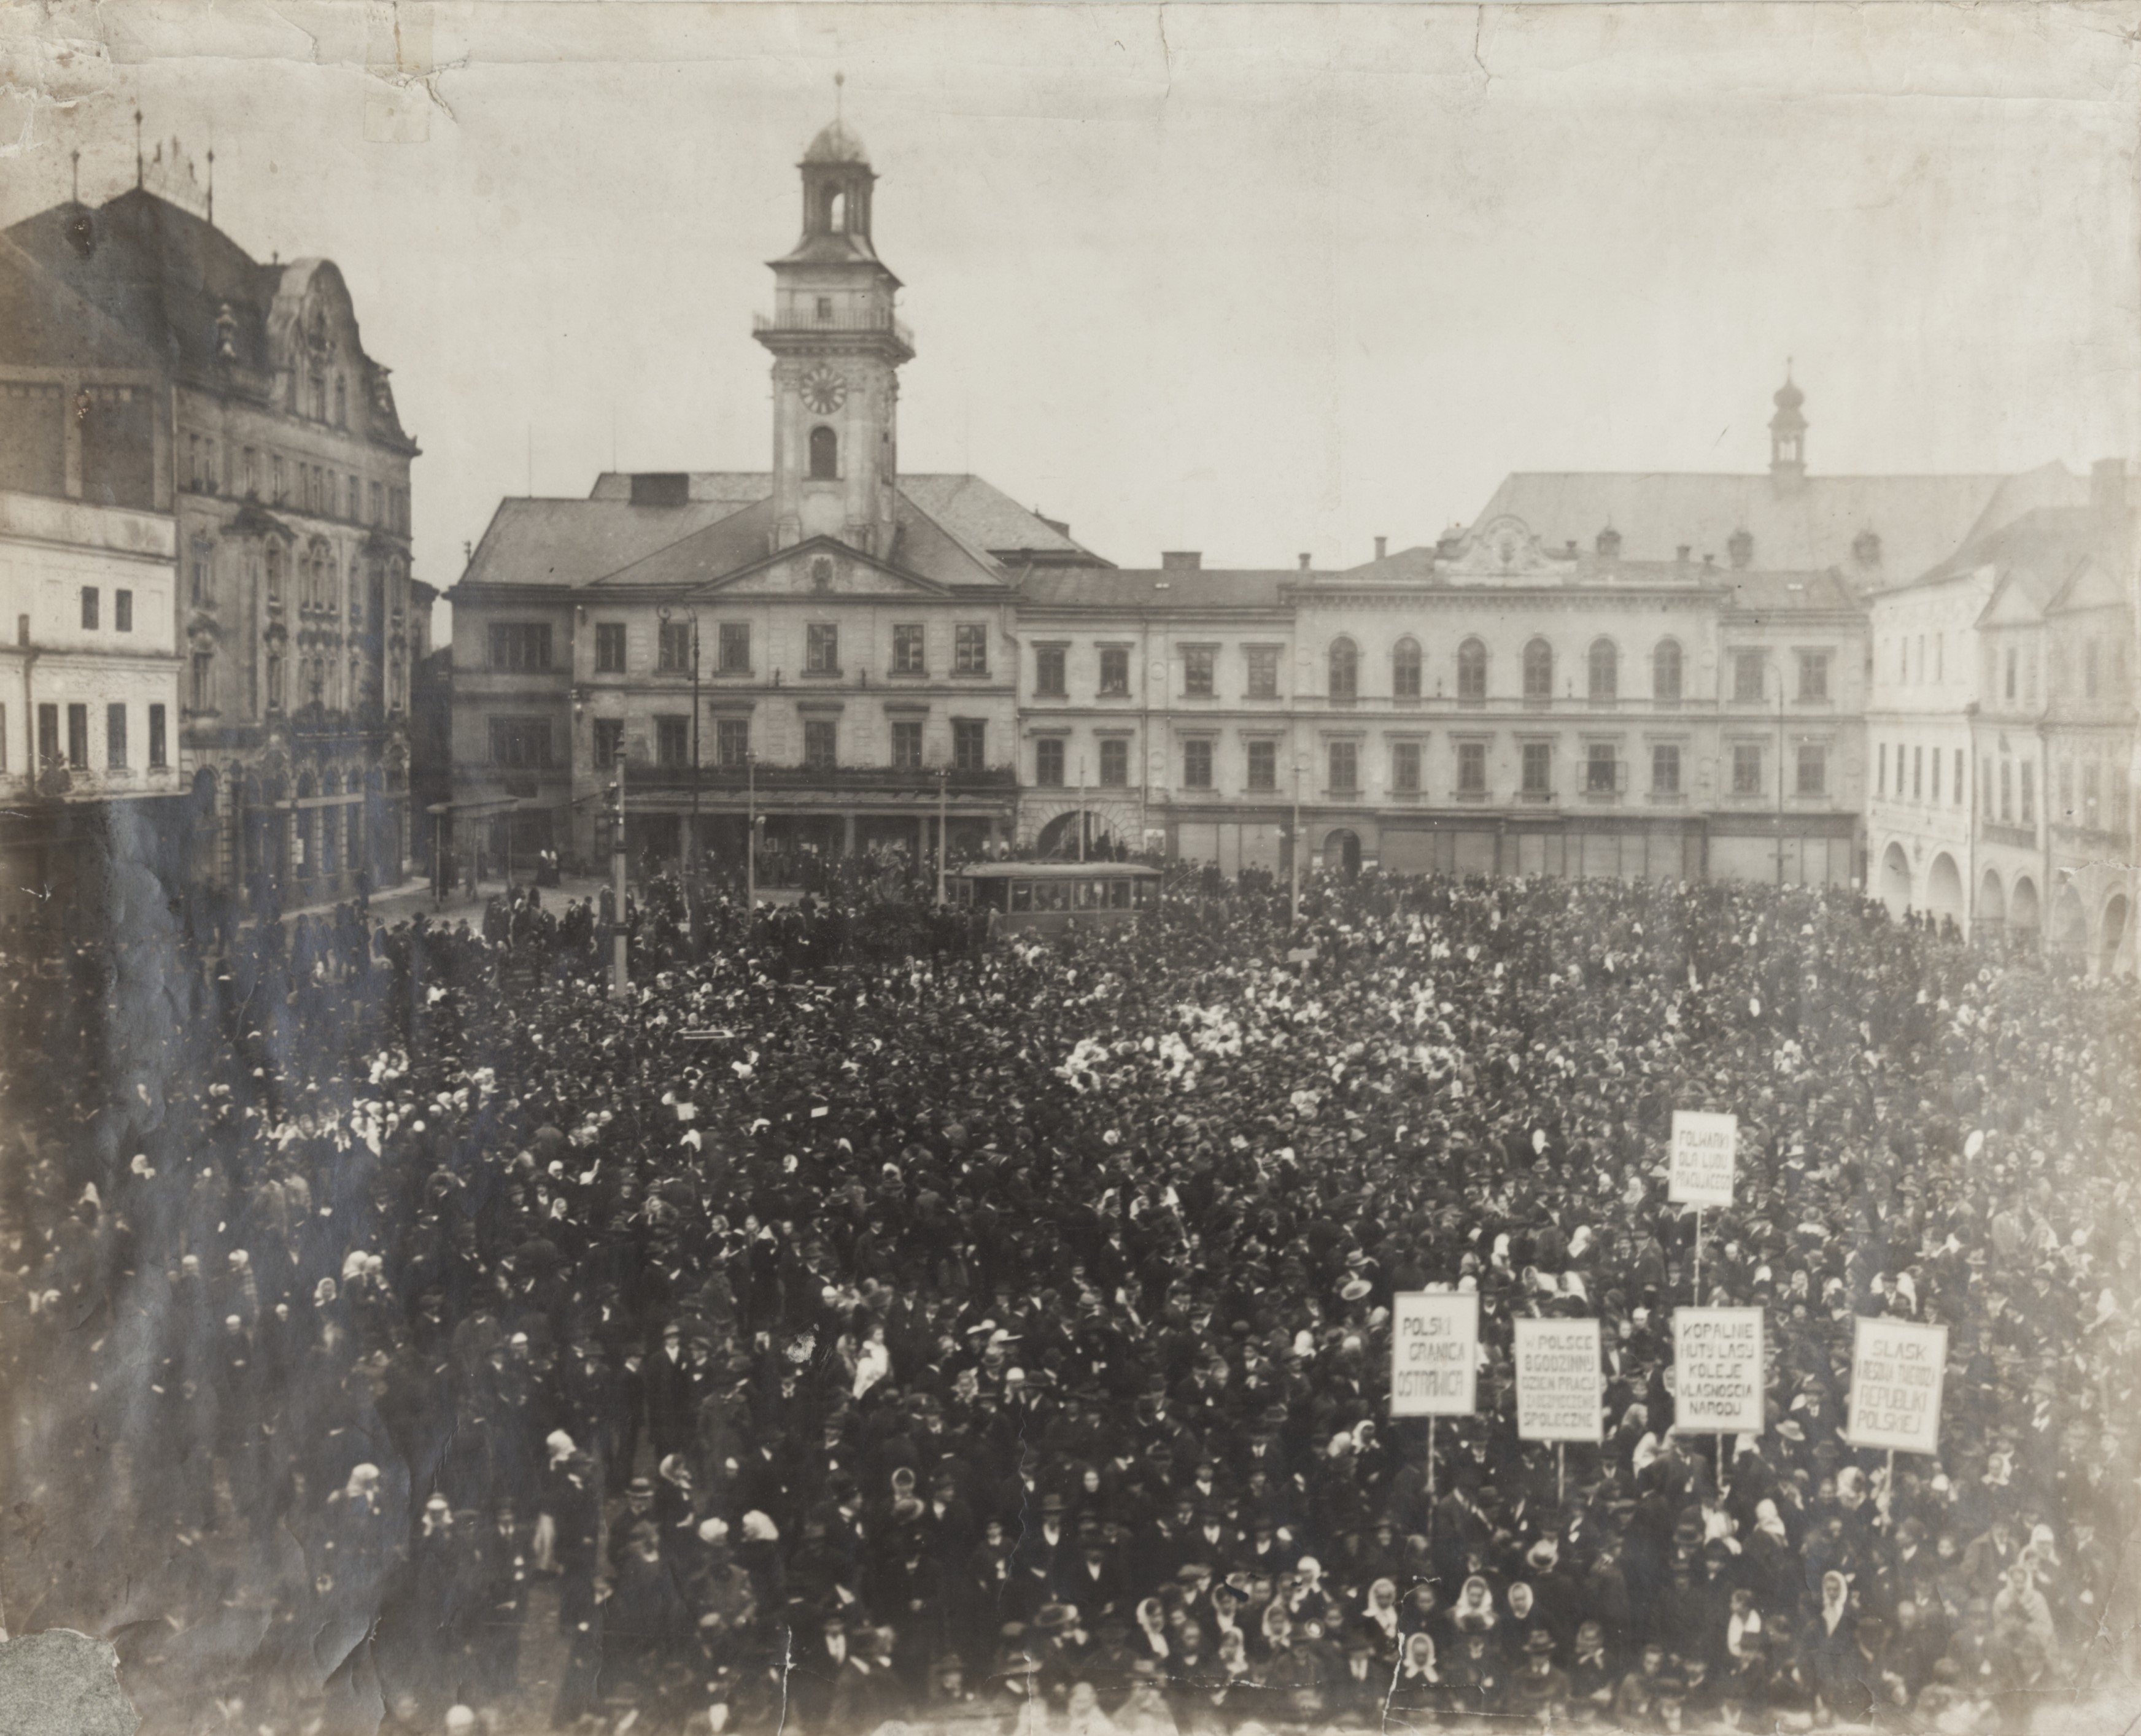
{"points": [[1559, 1388], [1717, 1371], [1435, 1354], [1897, 1370], [1705, 1150]]}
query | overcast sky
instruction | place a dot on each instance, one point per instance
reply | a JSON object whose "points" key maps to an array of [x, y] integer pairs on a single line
{"points": [[1249, 280]]}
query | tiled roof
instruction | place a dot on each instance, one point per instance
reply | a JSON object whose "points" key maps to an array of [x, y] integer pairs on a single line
{"points": [[1807, 526], [982, 515], [43, 324], [1156, 588], [566, 543]]}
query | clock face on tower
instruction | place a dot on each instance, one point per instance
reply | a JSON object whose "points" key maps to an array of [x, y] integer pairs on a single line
{"points": [[823, 391]]}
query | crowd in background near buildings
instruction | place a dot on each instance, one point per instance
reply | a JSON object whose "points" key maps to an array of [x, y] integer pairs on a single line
{"points": [[861, 1323]]}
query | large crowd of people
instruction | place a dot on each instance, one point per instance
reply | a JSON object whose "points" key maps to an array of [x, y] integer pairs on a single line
{"points": [[860, 1323]]}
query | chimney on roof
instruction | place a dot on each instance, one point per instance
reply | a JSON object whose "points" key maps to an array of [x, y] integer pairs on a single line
{"points": [[2107, 485], [1740, 547], [1304, 560], [1382, 547], [1609, 543], [1709, 561], [1866, 549], [1180, 560], [1682, 554], [661, 487]]}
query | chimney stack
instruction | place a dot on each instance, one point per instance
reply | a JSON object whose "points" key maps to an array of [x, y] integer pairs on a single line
{"points": [[1382, 545], [1304, 561]]}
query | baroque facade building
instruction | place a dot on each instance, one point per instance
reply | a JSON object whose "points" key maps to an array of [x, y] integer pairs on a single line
{"points": [[1612, 673], [826, 646], [295, 618]]}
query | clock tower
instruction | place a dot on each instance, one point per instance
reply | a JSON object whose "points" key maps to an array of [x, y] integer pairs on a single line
{"points": [[837, 350]]}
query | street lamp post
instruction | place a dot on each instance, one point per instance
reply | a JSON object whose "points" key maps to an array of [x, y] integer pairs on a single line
{"points": [[943, 828], [690, 854], [1293, 896], [1780, 769], [620, 981], [750, 833]]}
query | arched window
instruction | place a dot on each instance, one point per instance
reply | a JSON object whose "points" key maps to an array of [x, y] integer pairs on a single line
{"points": [[1604, 669], [1472, 671], [824, 454], [1404, 669], [1539, 672], [1344, 670], [1665, 671]]}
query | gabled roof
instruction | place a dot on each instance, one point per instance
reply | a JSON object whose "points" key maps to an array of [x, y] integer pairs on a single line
{"points": [[982, 516], [2033, 559], [572, 543], [44, 323], [166, 275], [1807, 525]]}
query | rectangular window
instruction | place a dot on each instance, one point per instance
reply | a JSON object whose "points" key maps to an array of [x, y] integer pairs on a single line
{"points": [[1958, 776], [2012, 663], [1405, 768], [203, 680], [1539, 768], [279, 480], [609, 647], [1471, 768], [907, 744], [731, 741], [1814, 676], [908, 654], [1813, 770], [78, 737], [1196, 765], [1747, 676], [609, 740], [1936, 777], [1881, 786], [672, 740], [733, 641], [1115, 762], [970, 737], [2091, 792], [2029, 794], [48, 737], [200, 572], [970, 650], [1917, 774], [1665, 768], [821, 648], [1263, 672], [519, 645], [1746, 768], [1115, 671], [673, 648], [1599, 775], [88, 607], [1262, 765], [122, 611], [378, 495], [1048, 672], [820, 743], [1197, 661], [2006, 790], [1345, 768], [520, 741], [1048, 762], [115, 736]]}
